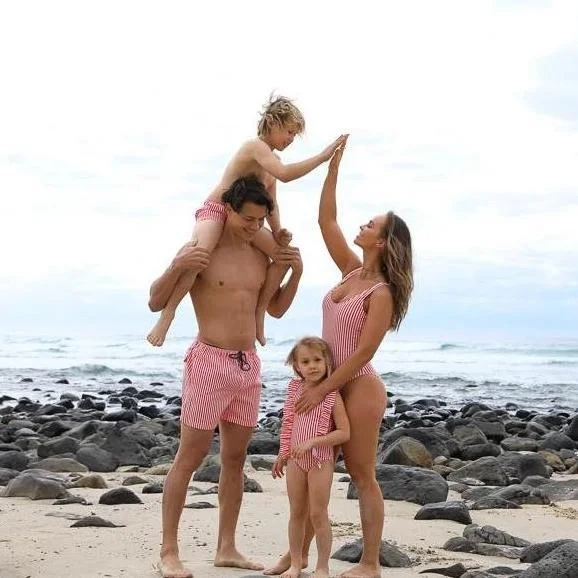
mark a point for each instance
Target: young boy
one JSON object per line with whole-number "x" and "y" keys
{"x": 280, "y": 122}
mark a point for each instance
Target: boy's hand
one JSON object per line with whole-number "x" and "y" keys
{"x": 278, "y": 469}
{"x": 300, "y": 450}
{"x": 283, "y": 237}
{"x": 327, "y": 153}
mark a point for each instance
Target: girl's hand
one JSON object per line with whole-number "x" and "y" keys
{"x": 300, "y": 450}
{"x": 278, "y": 469}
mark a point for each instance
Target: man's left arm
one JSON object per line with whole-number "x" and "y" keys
{"x": 281, "y": 301}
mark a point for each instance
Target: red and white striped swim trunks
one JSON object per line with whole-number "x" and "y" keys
{"x": 211, "y": 211}
{"x": 220, "y": 385}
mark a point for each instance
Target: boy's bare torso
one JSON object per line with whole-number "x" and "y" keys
{"x": 225, "y": 295}
{"x": 241, "y": 165}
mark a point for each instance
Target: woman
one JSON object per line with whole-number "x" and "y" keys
{"x": 371, "y": 299}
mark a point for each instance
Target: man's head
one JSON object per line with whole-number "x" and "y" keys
{"x": 248, "y": 203}
{"x": 281, "y": 121}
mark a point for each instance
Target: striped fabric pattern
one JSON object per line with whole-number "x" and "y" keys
{"x": 343, "y": 322}
{"x": 297, "y": 428}
{"x": 216, "y": 388}
{"x": 211, "y": 211}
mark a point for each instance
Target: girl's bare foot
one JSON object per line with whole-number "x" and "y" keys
{"x": 260, "y": 323}
{"x": 235, "y": 560}
{"x": 283, "y": 565}
{"x": 293, "y": 572}
{"x": 362, "y": 571}
{"x": 158, "y": 333}
{"x": 171, "y": 567}
{"x": 320, "y": 573}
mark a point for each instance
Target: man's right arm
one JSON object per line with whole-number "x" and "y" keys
{"x": 190, "y": 258}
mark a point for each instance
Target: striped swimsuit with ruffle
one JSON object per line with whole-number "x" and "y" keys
{"x": 298, "y": 428}
{"x": 343, "y": 322}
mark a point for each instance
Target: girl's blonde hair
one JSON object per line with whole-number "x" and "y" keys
{"x": 313, "y": 343}
{"x": 280, "y": 111}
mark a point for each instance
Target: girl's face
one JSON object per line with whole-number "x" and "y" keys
{"x": 311, "y": 363}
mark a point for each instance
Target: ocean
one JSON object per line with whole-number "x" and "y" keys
{"x": 536, "y": 375}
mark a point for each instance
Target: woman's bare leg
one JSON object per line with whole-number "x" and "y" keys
{"x": 365, "y": 402}
{"x": 206, "y": 235}
{"x": 297, "y": 493}
{"x": 319, "y": 482}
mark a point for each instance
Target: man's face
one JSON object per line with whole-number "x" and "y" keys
{"x": 247, "y": 222}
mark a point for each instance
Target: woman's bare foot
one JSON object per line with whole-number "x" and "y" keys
{"x": 235, "y": 560}
{"x": 283, "y": 565}
{"x": 171, "y": 567}
{"x": 293, "y": 572}
{"x": 158, "y": 333}
{"x": 260, "y": 326}
{"x": 362, "y": 571}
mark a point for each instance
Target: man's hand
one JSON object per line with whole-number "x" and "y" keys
{"x": 278, "y": 469}
{"x": 283, "y": 237}
{"x": 309, "y": 399}
{"x": 191, "y": 258}
{"x": 301, "y": 449}
{"x": 290, "y": 256}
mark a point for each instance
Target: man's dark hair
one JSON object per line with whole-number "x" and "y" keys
{"x": 247, "y": 189}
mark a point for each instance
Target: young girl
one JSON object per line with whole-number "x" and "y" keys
{"x": 306, "y": 449}
{"x": 280, "y": 122}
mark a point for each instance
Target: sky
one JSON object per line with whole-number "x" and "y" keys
{"x": 117, "y": 119}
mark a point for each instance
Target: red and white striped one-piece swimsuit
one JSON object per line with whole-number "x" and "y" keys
{"x": 343, "y": 322}
{"x": 298, "y": 428}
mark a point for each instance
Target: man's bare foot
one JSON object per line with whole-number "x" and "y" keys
{"x": 283, "y": 565}
{"x": 320, "y": 573}
{"x": 260, "y": 322}
{"x": 362, "y": 571}
{"x": 293, "y": 572}
{"x": 158, "y": 333}
{"x": 236, "y": 560}
{"x": 171, "y": 567}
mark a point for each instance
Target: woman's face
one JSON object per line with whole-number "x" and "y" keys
{"x": 371, "y": 232}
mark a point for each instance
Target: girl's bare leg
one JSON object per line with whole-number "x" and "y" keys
{"x": 297, "y": 492}
{"x": 319, "y": 482}
{"x": 265, "y": 242}
{"x": 206, "y": 235}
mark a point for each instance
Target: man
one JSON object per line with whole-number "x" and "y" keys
{"x": 221, "y": 381}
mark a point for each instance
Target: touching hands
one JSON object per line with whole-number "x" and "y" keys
{"x": 290, "y": 256}
{"x": 283, "y": 237}
{"x": 309, "y": 399}
{"x": 327, "y": 153}
{"x": 336, "y": 158}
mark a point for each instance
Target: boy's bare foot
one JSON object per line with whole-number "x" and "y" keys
{"x": 260, "y": 321}
{"x": 283, "y": 565}
{"x": 235, "y": 560}
{"x": 362, "y": 571}
{"x": 158, "y": 333}
{"x": 293, "y": 572}
{"x": 171, "y": 567}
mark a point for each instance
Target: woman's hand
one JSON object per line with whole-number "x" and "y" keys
{"x": 336, "y": 158}
{"x": 309, "y": 399}
{"x": 300, "y": 450}
{"x": 278, "y": 469}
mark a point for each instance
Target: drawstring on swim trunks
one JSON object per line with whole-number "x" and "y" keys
{"x": 241, "y": 358}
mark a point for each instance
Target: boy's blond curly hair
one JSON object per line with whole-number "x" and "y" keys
{"x": 280, "y": 111}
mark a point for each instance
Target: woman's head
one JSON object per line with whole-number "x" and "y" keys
{"x": 391, "y": 236}
{"x": 280, "y": 122}
{"x": 311, "y": 359}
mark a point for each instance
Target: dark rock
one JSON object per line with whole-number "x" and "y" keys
{"x": 119, "y": 496}
{"x": 557, "y": 441}
{"x": 126, "y": 380}
{"x": 469, "y": 435}
{"x": 520, "y": 494}
{"x": 134, "y": 481}
{"x": 454, "y": 571}
{"x": 71, "y": 500}
{"x": 58, "y": 446}
{"x": 560, "y": 490}
{"x": 153, "y": 488}
{"x": 536, "y": 552}
{"x": 486, "y": 470}
{"x": 516, "y": 444}
{"x": 389, "y": 556}
{"x": 96, "y": 459}
{"x": 13, "y": 460}
{"x": 562, "y": 562}
{"x": 200, "y": 505}
{"x": 129, "y": 415}
{"x": 459, "y": 544}
{"x": 6, "y": 474}
{"x": 406, "y": 451}
{"x": 493, "y": 503}
{"x": 263, "y": 442}
{"x": 36, "y": 486}
{"x": 521, "y": 466}
{"x": 491, "y": 535}
{"x": 572, "y": 429}
{"x": 456, "y": 511}
{"x": 94, "y": 522}
{"x": 476, "y": 451}
{"x": 436, "y": 440}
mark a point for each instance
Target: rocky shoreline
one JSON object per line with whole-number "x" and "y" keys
{"x": 487, "y": 458}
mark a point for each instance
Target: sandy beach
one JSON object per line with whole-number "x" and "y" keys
{"x": 36, "y": 538}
